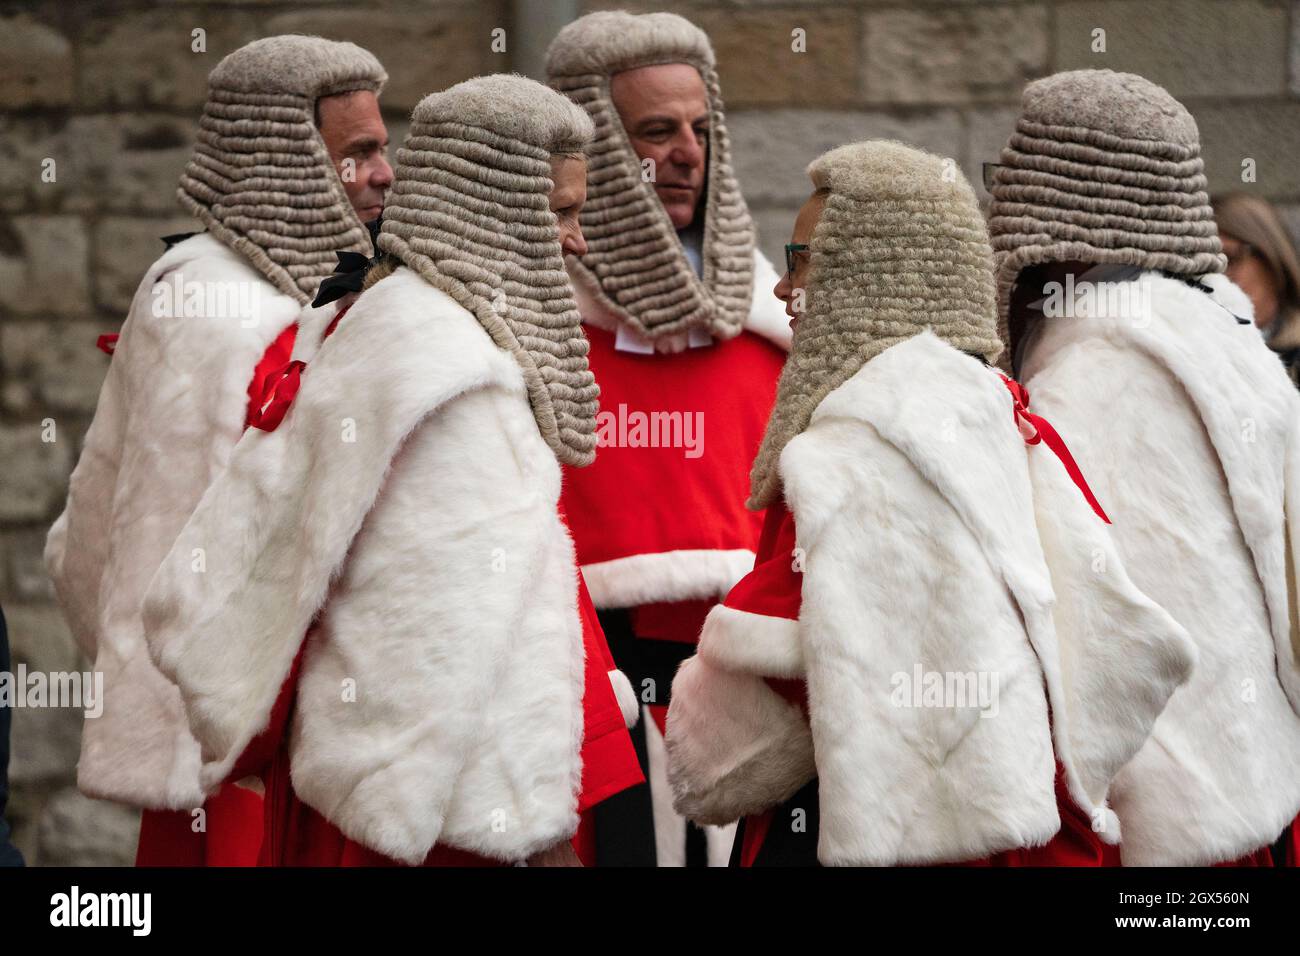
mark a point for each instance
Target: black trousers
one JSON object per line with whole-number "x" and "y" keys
{"x": 792, "y": 838}
{"x": 625, "y": 832}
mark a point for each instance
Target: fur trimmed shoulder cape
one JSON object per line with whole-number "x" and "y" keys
{"x": 1189, "y": 431}
{"x": 170, "y": 411}
{"x": 932, "y": 545}
{"x": 408, "y": 507}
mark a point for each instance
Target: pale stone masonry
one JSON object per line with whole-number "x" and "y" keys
{"x": 110, "y": 92}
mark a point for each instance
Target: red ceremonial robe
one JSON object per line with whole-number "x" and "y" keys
{"x": 259, "y": 821}
{"x": 773, "y": 589}
{"x": 659, "y": 521}
{"x": 659, "y": 517}
{"x": 984, "y": 567}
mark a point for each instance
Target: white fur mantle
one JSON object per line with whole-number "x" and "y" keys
{"x": 928, "y": 530}
{"x": 408, "y": 504}
{"x": 1187, "y": 427}
{"x": 170, "y": 411}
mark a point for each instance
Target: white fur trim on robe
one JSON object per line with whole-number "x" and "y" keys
{"x": 766, "y": 318}
{"x": 170, "y": 411}
{"x": 1186, "y": 426}
{"x": 762, "y": 644}
{"x": 1112, "y": 658}
{"x": 921, "y": 550}
{"x": 409, "y": 498}
{"x": 735, "y": 746}
{"x": 645, "y": 578}
{"x": 925, "y": 494}
{"x": 628, "y": 705}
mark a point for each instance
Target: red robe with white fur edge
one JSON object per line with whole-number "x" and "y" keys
{"x": 1190, "y": 431}
{"x": 650, "y": 524}
{"x": 663, "y": 531}
{"x": 929, "y": 536}
{"x": 170, "y": 412}
{"x": 440, "y": 695}
{"x": 609, "y": 708}
{"x": 239, "y": 817}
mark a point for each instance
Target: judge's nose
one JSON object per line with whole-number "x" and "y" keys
{"x": 573, "y": 242}
{"x": 687, "y": 150}
{"x": 783, "y": 288}
{"x": 382, "y": 177}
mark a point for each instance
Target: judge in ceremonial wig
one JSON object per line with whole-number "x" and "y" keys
{"x": 284, "y": 117}
{"x": 686, "y": 346}
{"x": 1120, "y": 321}
{"x": 412, "y": 559}
{"x": 924, "y": 666}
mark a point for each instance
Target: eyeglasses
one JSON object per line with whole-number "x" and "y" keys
{"x": 793, "y": 249}
{"x": 989, "y": 169}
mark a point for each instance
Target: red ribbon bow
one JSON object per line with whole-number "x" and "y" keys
{"x": 107, "y": 342}
{"x": 1035, "y": 429}
{"x": 269, "y": 398}
{"x": 277, "y": 393}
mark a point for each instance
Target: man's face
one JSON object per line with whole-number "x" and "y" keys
{"x": 569, "y": 174}
{"x": 790, "y": 289}
{"x": 665, "y": 111}
{"x": 357, "y": 141}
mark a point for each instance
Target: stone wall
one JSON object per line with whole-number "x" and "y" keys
{"x": 110, "y": 91}
{"x": 946, "y": 75}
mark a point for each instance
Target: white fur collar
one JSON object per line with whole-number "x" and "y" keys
{"x": 965, "y": 455}
{"x": 1191, "y": 422}
{"x": 406, "y": 510}
{"x": 432, "y": 350}
{"x": 170, "y": 412}
{"x": 953, "y": 420}
{"x": 1108, "y": 657}
{"x": 1247, "y": 403}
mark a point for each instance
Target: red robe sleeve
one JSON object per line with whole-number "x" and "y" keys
{"x": 234, "y": 835}
{"x": 609, "y": 763}
{"x": 769, "y": 597}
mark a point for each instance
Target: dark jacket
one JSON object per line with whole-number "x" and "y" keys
{"x": 9, "y": 855}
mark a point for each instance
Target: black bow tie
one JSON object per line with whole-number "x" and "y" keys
{"x": 350, "y": 273}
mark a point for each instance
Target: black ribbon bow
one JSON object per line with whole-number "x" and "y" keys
{"x": 350, "y": 273}
{"x": 1196, "y": 283}
{"x": 175, "y": 238}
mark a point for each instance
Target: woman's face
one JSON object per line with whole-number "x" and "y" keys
{"x": 1248, "y": 269}
{"x": 790, "y": 289}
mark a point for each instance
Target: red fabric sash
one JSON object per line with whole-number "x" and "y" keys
{"x": 270, "y": 395}
{"x": 278, "y": 392}
{"x": 1035, "y": 429}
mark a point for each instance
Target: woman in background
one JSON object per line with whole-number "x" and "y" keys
{"x": 1262, "y": 260}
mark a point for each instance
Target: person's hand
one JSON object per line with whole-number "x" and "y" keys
{"x": 561, "y": 854}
